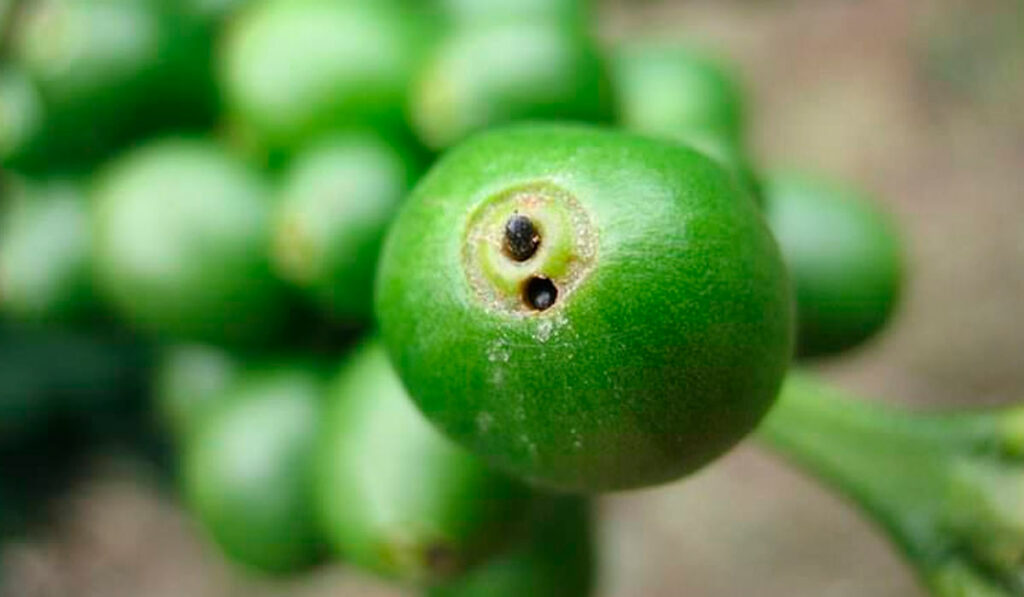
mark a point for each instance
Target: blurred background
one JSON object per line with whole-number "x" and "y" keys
{"x": 918, "y": 102}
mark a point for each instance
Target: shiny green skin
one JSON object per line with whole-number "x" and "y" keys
{"x": 557, "y": 559}
{"x": 668, "y": 351}
{"x": 293, "y": 70}
{"x": 494, "y": 74}
{"x": 845, "y": 256}
{"x": 181, "y": 230}
{"x": 247, "y": 470}
{"x": 676, "y": 92}
{"x": 111, "y": 71}
{"x": 189, "y": 382}
{"x": 334, "y": 206}
{"x": 394, "y": 496}
{"x": 45, "y": 252}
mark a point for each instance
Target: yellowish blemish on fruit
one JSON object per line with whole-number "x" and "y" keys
{"x": 566, "y": 252}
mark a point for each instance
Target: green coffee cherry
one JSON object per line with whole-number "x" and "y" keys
{"x": 845, "y": 258}
{"x": 181, "y": 233}
{"x": 246, "y": 472}
{"x": 190, "y": 380}
{"x": 645, "y": 336}
{"x": 22, "y": 119}
{"x": 474, "y": 13}
{"x": 334, "y": 207}
{"x": 680, "y": 93}
{"x": 555, "y": 560}
{"x": 45, "y": 252}
{"x": 292, "y": 70}
{"x": 110, "y": 71}
{"x": 494, "y": 74}
{"x": 672, "y": 90}
{"x": 394, "y": 496}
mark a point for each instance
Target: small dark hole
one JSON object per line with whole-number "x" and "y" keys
{"x": 540, "y": 293}
{"x": 521, "y": 238}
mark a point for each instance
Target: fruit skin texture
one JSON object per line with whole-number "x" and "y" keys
{"x": 45, "y": 252}
{"x": 556, "y": 560}
{"x": 668, "y": 339}
{"x": 334, "y": 207}
{"x": 396, "y": 497}
{"x": 845, "y": 258}
{"x": 181, "y": 231}
{"x": 246, "y": 471}
{"x": 292, "y": 70}
{"x": 498, "y": 73}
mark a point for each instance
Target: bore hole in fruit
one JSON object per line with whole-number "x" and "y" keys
{"x": 540, "y": 293}
{"x": 521, "y": 238}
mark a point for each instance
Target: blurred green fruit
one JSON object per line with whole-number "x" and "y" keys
{"x": 112, "y": 71}
{"x": 494, "y": 74}
{"x": 677, "y": 92}
{"x": 294, "y": 70}
{"x": 246, "y": 471}
{"x": 478, "y": 12}
{"x": 845, "y": 257}
{"x": 190, "y": 380}
{"x": 45, "y": 251}
{"x": 335, "y": 204}
{"x": 22, "y": 119}
{"x": 394, "y": 496}
{"x": 556, "y": 559}
{"x": 182, "y": 232}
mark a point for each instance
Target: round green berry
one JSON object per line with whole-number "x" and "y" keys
{"x": 22, "y": 119}
{"x": 646, "y": 334}
{"x": 292, "y": 70}
{"x": 845, "y": 257}
{"x": 111, "y": 71}
{"x": 677, "y": 92}
{"x": 556, "y": 559}
{"x": 247, "y": 469}
{"x": 45, "y": 252}
{"x": 397, "y": 498}
{"x": 181, "y": 233}
{"x": 335, "y": 204}
{"x": 188, "y": 384}
{"x": 498, "y": 73}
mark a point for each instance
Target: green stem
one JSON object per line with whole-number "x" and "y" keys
{"x": 947, "y": 488}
